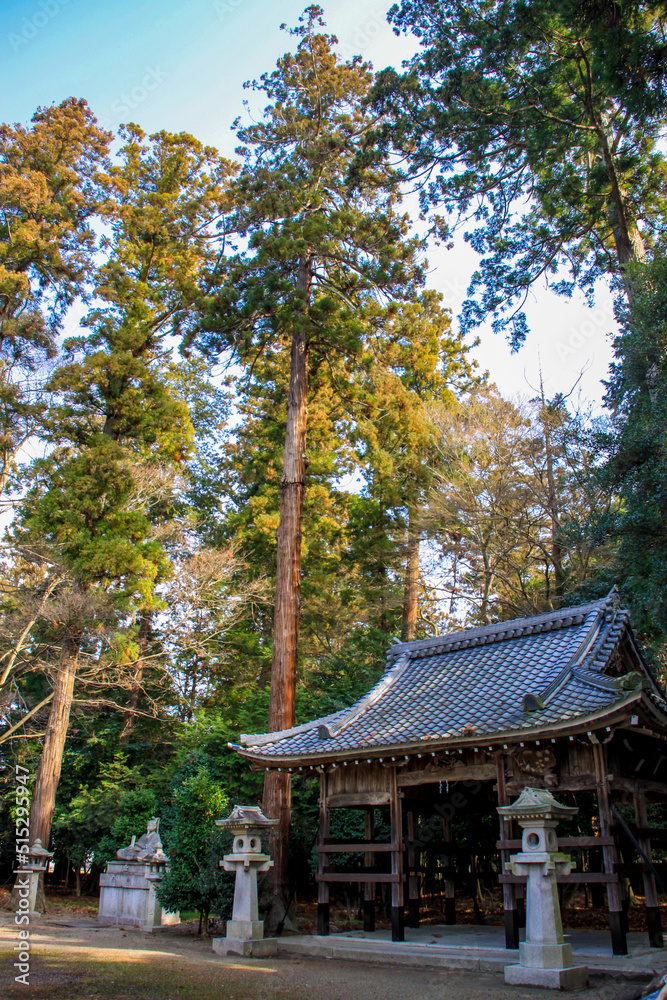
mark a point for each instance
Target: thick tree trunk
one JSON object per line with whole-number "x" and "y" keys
{"x": 552, "y": 503}
{"x": 48, "y": 773}
{"x": 277, "y": 786}
{"x": 411, "y": 586}
{"x": 137, "y": 676}
{"x": 627, "y": 238}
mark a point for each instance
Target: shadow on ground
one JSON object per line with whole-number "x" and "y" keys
{"x": 159, "y": 976}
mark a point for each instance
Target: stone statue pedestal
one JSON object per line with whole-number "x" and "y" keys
{"x": 544, "y": 958}
{"x": 245, "y": 931}
{"x": 127, "y": 888}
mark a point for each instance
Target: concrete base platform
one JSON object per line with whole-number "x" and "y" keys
{"x": 257, "y": 948}
{"x": 574, "y": 978}
{"x": 480, "y": 949}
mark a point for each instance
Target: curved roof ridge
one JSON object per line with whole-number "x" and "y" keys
{"x": 387, "y": 681}
{"x": 498, "y": 631}
{"x": 260, "y": 739}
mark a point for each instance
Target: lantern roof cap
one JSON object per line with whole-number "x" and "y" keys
{"x": 537, "y": 803}
{"x": 246, "y": 818}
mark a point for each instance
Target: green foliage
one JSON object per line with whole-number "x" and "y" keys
{"x": 104, "y": 814}
{"x": 515, "y": 506}
{"x": 194, "y": 880}
{"x": 537, "y": 122}
{"x": 49, "y": 190}
{"x": 293, "y": 203}
{"x": 637, "y": 466}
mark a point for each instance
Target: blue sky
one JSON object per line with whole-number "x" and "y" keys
{"x": 181, "y": 66}
{"x": 175, "y": 65}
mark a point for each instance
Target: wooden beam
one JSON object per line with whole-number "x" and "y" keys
{"x": 459, "y": 772}
{"x": 567, "y": 783}
{"x": 323, "y": 877}
{"x": 352, "y": 800}
{"x": 653, "y": 832}
{"x": 633, "y": 785}
{"x": 351, "y": 848}
{"x": 576, "y": 783}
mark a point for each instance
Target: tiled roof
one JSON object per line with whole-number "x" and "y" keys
{"x": 503, "y": 679}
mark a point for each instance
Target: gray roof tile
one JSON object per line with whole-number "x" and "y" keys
{"x": 472, "y": 684}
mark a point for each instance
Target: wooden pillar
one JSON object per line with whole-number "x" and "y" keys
{"x": 619, "y": 943}
{"x": 509, "y": 894}
{"x": 597, "y": 888}
{"x": 450, "y": 886}
{"x": 369, "y": 861}
{"x": 653, "y": 923}
{"x": 396, "y": 822}
{"x": 414, "y": 857}
{"x": 323, "y": 887}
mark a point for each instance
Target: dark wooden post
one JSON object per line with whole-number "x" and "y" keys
{"x": 509, "y": 895}
{"x": 653, "y": 922}
{"x": 369, "y": 861}
{"x": 450, "y": 886}
{"x": 323, "y": 887}
{"x": 396, "y": 822}
{"x": 413, "y": 873}
{"x": 597, "y": 888}
{"x": 619, "y": 944}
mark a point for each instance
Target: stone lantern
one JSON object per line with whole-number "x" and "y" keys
{"x": 38, "y": 861}
{"x": 245, "y": 931}
{"x": 544, "y": 958}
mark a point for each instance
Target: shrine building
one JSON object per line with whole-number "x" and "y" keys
{"x": 460, "y": 724}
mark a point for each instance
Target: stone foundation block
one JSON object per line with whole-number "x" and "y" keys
{"x": 262, "y": 948}
{"x": 545, "y": 956}
{"x": 245, "y": 930}
{"x": 574, "y": 978}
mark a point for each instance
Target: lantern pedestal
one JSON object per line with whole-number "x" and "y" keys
{"x": 245, "y": 931}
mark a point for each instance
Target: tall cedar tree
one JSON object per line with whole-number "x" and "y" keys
{"x": 317, "y": 252}
{"x": 637, "y": 465}
{"x": 537, "y": 122}
{"x": 116, "y": 422}
{"x": 415, "y": 360}
{"x": 49, "y": 189}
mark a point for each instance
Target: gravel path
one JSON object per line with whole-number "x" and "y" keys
{"x": 82, "y": 962}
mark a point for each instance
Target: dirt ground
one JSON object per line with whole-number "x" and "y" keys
{"x": 82, "y": 962}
